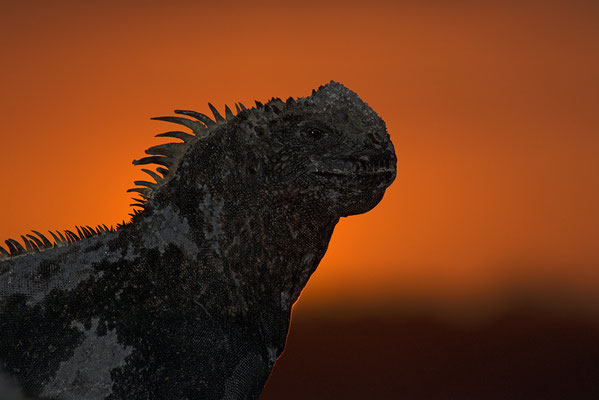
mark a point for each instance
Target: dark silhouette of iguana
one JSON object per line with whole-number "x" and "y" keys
{"x": 192, "y": 298}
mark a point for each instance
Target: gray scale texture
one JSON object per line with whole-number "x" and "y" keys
{"x": 192, "y": 298}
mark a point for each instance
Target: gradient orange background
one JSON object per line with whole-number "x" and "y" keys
{"x": 492, "y": 109}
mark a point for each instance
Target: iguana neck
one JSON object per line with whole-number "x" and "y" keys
{"x": 297, "y": 236}
{"x": 262, "y": 244}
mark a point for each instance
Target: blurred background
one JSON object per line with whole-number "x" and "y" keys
{"x": 476, "y": 277}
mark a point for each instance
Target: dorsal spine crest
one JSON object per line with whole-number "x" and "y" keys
{"x": 167, "y": 156}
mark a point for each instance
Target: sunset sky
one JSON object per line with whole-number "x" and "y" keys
{"x": 492, "y": 108}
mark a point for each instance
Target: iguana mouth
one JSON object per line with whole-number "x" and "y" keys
{"x": 362, "y": 166}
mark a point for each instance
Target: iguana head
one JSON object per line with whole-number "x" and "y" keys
{"x": 329, "y": 149}
{"x": 335, "y": 148}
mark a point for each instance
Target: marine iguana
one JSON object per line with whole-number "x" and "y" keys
{"x": 192, "y": 298}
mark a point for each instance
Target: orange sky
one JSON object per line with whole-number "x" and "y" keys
{"x": 492, "y": 110}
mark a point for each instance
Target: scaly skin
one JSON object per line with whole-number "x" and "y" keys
{"x": 192, "y": 299}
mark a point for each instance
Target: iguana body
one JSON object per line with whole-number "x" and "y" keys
{"x": 192, "y": 299}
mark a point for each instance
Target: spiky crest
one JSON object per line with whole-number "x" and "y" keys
{"x": 39, "y": 242}
{"x": 168, "y": 156}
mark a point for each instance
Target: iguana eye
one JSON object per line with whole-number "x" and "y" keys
{"x": 313, "y": 133}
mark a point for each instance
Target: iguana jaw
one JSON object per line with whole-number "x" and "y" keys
{"x": 354, "y": 183}
{"x": 380, "y": 165}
